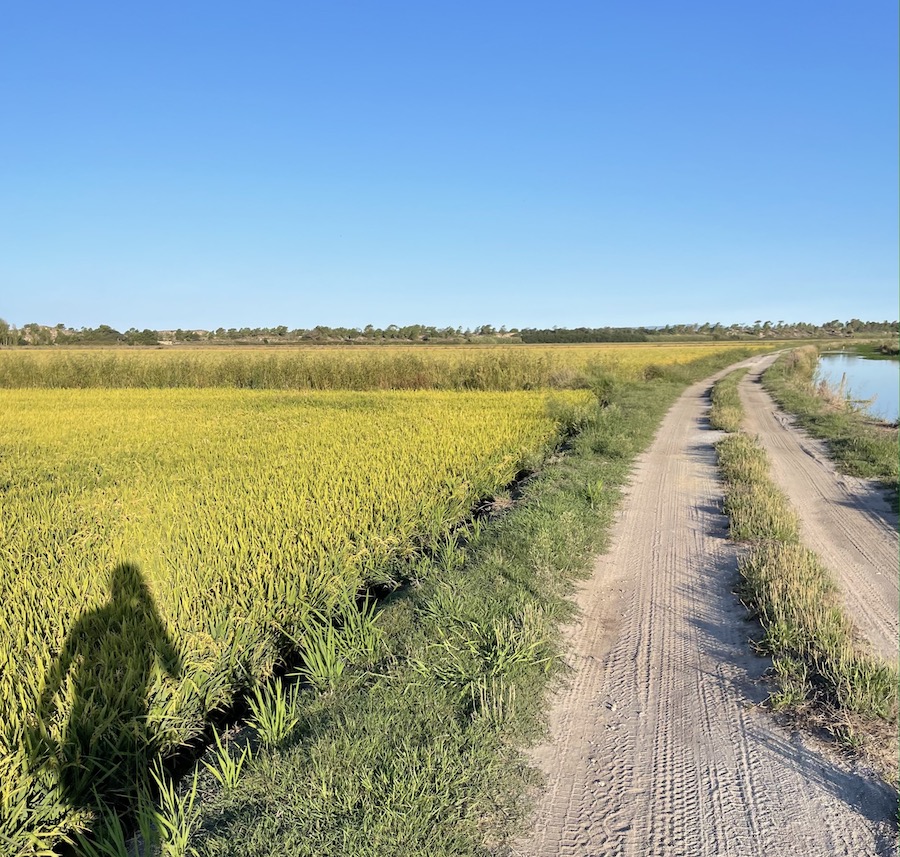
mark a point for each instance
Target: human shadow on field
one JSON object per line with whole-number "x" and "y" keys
{"x": 101, "y": 680}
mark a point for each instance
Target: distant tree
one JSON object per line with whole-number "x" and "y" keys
{"x": 36, "y": 334}
{"x": 8, "y": 333}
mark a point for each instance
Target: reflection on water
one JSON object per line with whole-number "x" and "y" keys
{"x": 865, "y": 379}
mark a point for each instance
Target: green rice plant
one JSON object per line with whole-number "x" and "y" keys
{"x": 226, "y": 768}
{"x": 274, "y": 711}
{"x": 329, "y": 643}
{"x": 473, "y": 530}
{"x": 177, "y": 815}
{"x": 360, "y": 635}
{"x": 33, "y": 814}
{"x": 110, "y": 838}
{"x": 323, "y": 657}
{"x": 594, "y": 492}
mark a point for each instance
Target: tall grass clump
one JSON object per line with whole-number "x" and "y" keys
{"x": 794, "y": 597}
{"x": 756, "y": 509}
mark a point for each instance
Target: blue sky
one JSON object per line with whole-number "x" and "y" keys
{"x": 212, "y": 164}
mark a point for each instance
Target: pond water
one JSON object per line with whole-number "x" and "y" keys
{"x": 865, "y": 378}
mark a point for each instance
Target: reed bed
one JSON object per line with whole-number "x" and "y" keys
{"x": 522, "y": 367}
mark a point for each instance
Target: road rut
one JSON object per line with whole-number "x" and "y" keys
{"x": 846, "y": 521}
{"x": 656, "y": 746}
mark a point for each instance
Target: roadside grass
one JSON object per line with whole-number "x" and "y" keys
{"x": 726, "y": 413}
{"x": 419, "y": 748}
{"x": 823, "y": 673}
{"x": 859, "y": 445}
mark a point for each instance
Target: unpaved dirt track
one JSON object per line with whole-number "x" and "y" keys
{"x": 846, "y": 521}
{"x": 656, "y": 748}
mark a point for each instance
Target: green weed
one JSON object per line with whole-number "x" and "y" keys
{"x": 226, "y": 768}
{"x": 274, "y": 711}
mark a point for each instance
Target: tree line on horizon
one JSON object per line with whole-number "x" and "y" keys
{"x": 60, "y": 334}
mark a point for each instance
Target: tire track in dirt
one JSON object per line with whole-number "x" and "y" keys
{"x": 656, "y": 746}
{"x": 846, "y": 521}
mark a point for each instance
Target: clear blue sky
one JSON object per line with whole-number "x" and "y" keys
{"x": 198, "y": 164}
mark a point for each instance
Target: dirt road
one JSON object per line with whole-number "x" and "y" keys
{"x": 656, "y": 747}
{"x": 846, "y": 521}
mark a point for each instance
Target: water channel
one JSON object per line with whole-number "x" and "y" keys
{"x": 864, "y": 379}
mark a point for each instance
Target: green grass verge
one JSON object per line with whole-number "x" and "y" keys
{"x": 858, "y": 445}
{"x": 812, "y": 643}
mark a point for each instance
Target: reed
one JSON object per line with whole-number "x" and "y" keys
{"x": 350, "y": 368}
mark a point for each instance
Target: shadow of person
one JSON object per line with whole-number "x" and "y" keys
{"x": 100, "y": 681}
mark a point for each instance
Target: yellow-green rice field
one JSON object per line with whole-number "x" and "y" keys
{"x": 168, "y": 544}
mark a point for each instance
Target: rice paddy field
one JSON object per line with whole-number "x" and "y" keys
{"x": 174, "y": 524}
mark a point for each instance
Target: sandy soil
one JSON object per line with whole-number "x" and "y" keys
{"x": 657, "y": 747}
{"x": 846, "y": 521}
